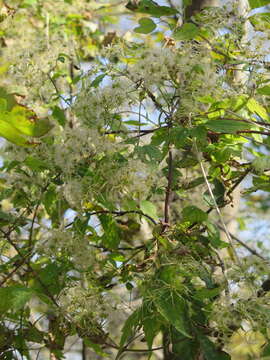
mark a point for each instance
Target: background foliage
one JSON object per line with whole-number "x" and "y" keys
{"x": 129, "y": 126}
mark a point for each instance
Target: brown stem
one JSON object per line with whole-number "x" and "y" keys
{"x": 118, "y": 213}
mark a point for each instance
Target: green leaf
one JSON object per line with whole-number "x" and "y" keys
{"x": 11, "y": 134}
{"x": 150, "y": 7}
{"x": 97, "y": 348}
{"x": 132, "y": 324}
{"x": 149, "y": 208}
{"x": 174, "y": 309}
{"x": 185, "y": 348}
{"x": 14, "y": 298}
{"x": 10, "y": 99}
{"x": 261, "y": 21}
{"x": 134, "y": 123}
{"x": 193, "y": 214}
{"x": 35, "y": 164}
{"x": 227, "y": 126}
{"x": 111, "y": 237}
{"x": 149, "y": 153}
{"x": 258, "y": 3}
{"x": 266, "y": 350}
{"x": 146, "y": 26}
{"x": 50, "y": 277}
{"x": 49, "y": 199}
{"x": 207, "y": 293}
{"x": 265, "y": 90}
{"x": 95, "y": 83}
{"x": 59, "y": 115}
{"x": 179, "y": 136}
{"x": 34, "y": 335}
{"x": 210, "y": 351}
{"x": 117, "y": 257}
{"x": 186, "y": 32}
{"x": 3, "y": 105}
{"x": 27, "y": 123}
{"x": 254, "y": 107}
{"x": 151, "y": 323}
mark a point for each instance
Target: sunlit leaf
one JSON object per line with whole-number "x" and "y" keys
{"x": 254, "y": 107}
{"x": 149, "y": 208}
{"x": 27, "y": 123}
{"x": 10, "y": 133}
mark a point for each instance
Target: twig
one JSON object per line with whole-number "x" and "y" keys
{"x": 118, "y": 213}
{"x": 57, "y": 91}
{"x": 14, "y": 245}
{"x": 252, "y": 251}
{"x": 32, "y": 226}
{"x": 14, "y": 270}
{"x": 238, "y": 181}
{"x": 168, "y": 188}
{"x": 119, "y": 248}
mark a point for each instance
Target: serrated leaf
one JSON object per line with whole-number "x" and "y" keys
{"x": 132, "y": 324}
{"x": 174, "y": 309}
{"x": 186, "y": 32}
{"x": 193, "y": 214}
{"x": 146, "y": 26}
{"x": 97, "y": 348}
{"x": 14, "y": 297}
{"x": 254, "y": 107}
{"x": 149, "y": 208}
{"x": 227, "y": 126}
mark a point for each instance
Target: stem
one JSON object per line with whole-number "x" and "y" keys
{"x": 118, "y": 213}
{"x": 14, "y": 245}
{"x": 169, "y": 188}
